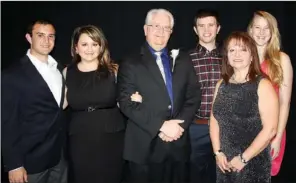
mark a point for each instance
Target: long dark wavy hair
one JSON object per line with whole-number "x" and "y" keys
{"x": 242, "y": 38}
{"x": 106, "y": 65}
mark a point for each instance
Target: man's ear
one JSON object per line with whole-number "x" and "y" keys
{"x": 29, "y": 38}
{"x": 145, "y": 29}
{"x": 218, "y": 29}
{"x": 195, "y": 30}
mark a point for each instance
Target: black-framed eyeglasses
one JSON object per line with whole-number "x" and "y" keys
{"x": 159, "y": 28}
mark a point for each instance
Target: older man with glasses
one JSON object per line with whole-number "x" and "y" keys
{"x": 159, "y": 95}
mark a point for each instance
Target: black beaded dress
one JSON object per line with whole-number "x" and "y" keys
{"x": 236, "y": 110}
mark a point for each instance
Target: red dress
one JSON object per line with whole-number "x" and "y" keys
{"x": 276, "y": 163}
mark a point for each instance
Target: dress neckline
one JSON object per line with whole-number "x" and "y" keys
{"x": 246, "y": 82}
{"x": 84, "y": 71}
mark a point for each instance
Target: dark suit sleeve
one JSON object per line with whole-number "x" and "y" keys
{"x": 148, "y": 120}
{"x": 192, "y": 96}
{"x": 11, "y": 126}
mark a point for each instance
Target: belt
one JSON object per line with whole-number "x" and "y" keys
{"x": 201, "y": 121}
{"x": 92, "y": 108}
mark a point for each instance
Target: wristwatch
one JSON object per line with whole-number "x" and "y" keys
{"x": 243, "y": 160}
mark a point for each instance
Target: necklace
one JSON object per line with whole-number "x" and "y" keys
{"x": 236, "y": 81}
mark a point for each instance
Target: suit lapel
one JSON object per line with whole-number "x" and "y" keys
{"x": 33, "y": 73}
{"x": 150, "y": 63}
{"x": 175, "y": 78}
{"x": 60, "y": 68}
{"x": 171, "y": 61}
{"x": 35, "y": 76}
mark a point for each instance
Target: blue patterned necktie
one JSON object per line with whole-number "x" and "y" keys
{"x": 168, "y": 75}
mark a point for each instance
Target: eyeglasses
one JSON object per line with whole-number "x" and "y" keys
{"x": 159, "y": 28}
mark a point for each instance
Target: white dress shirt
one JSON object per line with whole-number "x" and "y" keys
{"x": 51, "y": 75}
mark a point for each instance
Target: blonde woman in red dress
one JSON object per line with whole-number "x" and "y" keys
{"x": 276, "y": 64}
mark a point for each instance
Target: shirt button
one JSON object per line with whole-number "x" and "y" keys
{"x": 169, "y": 107}
{"x": 213, "y": 69}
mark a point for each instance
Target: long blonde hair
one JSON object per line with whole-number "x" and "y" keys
{"x": 273, "y": 48}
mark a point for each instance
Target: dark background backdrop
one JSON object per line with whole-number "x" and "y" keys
{"x": 122, "y": 23}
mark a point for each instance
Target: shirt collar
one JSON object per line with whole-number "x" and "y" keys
{"x": 51, "y": 62}
{"x": 204, "y": 51}
{"x": 163, "y": 51}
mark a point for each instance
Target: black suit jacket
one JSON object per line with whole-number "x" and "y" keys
{"x": 33, "y": 124}
{"x": 140, "y": 72}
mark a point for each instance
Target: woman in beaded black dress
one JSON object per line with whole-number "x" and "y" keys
{"x": 244, "y": 116}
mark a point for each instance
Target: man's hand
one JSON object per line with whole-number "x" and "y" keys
{"x": 172, "y": 128}
{"x": 165, "y": 138}
{"x": 18, "y": 175}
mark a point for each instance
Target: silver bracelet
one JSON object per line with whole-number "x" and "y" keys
{"x": 217, "y": 152}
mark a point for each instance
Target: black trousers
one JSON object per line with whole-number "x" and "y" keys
{"x": 202, "y": 161}
{"x": 169, "y": 171}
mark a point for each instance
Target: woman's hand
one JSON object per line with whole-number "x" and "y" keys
{"x": 236, "y": 164}
{"x": 275, "y": 147}
{"x": 222, "y": 162}
{"x": 136, "y": 97}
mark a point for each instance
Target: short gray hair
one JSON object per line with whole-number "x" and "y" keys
{"x": 156, "y": 11}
